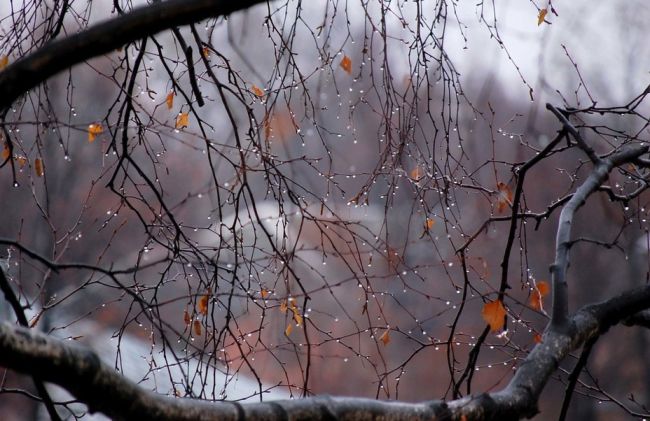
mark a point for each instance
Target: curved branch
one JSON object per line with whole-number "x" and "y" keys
{"x": 79, "y": 370}
{"x": 105, "y": 37}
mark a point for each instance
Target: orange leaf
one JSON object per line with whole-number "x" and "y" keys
{"x": 21, "y": 161}
{"x": 346, "y": 64}
{"x": 4, "y": 62}
{"x": 197, "y": 328}
{"x": 541, "y": 290}
{"x": 541, "y": 15}
{"x": 6, "y": 152}
{"x": 38, "y": 167}
{"x": 429, "y": 223}
{"x": 206, "y": 52}
{"x": 288, "y": 330}
{"x": 203, "y": 304}
{"x": 170, "y": 100}
{"x": 257, "y": 91}
{"x": 298, "y": 318}
{"x": 283, "y": 307}
{"x": 416, "y": 173}
{"x": 93, "y": 130}
{"x": 385, "y": 337}
{"x": 537, "y": 338}
{"x": 182, "y": 120}
{"x": 494, "y": 314}
{"x": 264, "y": 293}
{"x": 504, "y": 198}
{"x": 186, "y": 318}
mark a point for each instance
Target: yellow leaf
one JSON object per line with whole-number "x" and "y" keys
{"x": 494, "y": 314}
{"x": 38, "y": 167}
{"x": 182, "y": 120}
{"x": 197, "y": 328}
{"x": 298, "y": 318}
{"x": 94, "y": 130}
{"x": 385, "y": 337}
{"x": 541, "y": 16}
{"x": 288, "y": 330}
{"x": 4, "y": 62}
{"x": 257, "y": 91}
{"x": 170, "y": 100}
{"x": 346, "y": 64}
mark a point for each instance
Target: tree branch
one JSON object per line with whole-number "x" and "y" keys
{"x": 105, "y": 37}
{"x": 560, "y": 309}
{"x": 79, "y": 370}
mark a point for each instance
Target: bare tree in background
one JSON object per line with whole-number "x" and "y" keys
{"x": 303, "y": 194}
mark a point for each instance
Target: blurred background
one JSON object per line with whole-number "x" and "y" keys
{"x": 335, "y": 215}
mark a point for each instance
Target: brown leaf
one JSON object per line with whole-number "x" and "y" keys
{"x": 170, "y": 100}
{"x": 429, "y": 223}
{"x": 6, "y": 153}
{"x": 298, "y": 318}
{"x": 541, "y": 15}
{"x": 385, "y": 337}
{"x": 283, "y": 306}
{"x": 4, "y": 62}
{"x": 288, "y": 330}
{"x": 197, "y": 327}
{"x": 416, "y": 173}
{"x": 257, "y": 91}
{"x": 494, "y": 314}
{"x": 537, "y": 338}
{"x": 346, "y": 64}
{"x": 182, "y": 120}
{"x": 186, "y": 318}
{"x": 21, "y": 161}
{"x": 264, "y": 293}
{"x": 540, "y": 291}
{"x": 504, "y": 197}
{"x": 38, "y": 167}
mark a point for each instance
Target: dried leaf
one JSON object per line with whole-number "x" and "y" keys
{"x": 537, "y": 338}
{"x": 541, "y": 15}
{"x": 280, "y": 125}
{"x": 385, "y": 337}
{"x": 4, "y": 62}
{"x": 182, "y": 120}
{"x": 283, "y": 306}
{"x": 504, "y": 198}
{"x": 203, "y": 304}
{"x": 346, "y": 64}
{"x": 205, "y": 51}
{"x": 257, "y": 91}
{"x": 186, "y": 318}
{"x": 540, "y": 291}
{"x": 170, "y": 100}
{"x": 21, "y": 161}
{"x": 288, "y": 330}
{"x": 197, "y": 327}
{"x": 494, "y": 314}
{"x": 298, "y": 318}
{"x": 6, "y": 153}
{"x": 94, "y": 130}
{"x": 429, "y": 223}
{"x": 416, "y": 173}
{"x": 264, "y": 293}
{"x": 38, "y": 167}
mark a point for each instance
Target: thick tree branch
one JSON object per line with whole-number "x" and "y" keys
{"x": 80, "y": 371}
{"x": 560, "y": 309}
{"x": 105, "y": 37}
